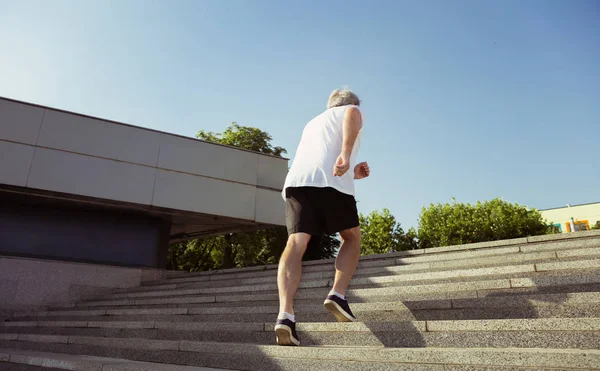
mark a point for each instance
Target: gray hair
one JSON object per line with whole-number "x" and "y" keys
{"x": 342, "y": 97}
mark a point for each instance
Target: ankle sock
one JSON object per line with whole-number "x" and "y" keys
{"x": 286, "y": 315}
{"x": 333, "y": 292}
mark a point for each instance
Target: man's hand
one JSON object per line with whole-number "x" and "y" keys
{"x": 342, "y": 165}
{"x": 362, "y": 170}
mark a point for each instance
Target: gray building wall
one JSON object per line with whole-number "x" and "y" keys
{"x": 47, "y": 149}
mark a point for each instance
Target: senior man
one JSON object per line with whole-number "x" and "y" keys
{"x": 319, "y": 196}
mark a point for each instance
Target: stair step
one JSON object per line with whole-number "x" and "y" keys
{"x": 542, "y": 324}
{"x": 405, "y": 263}
{"x": 269, "y": 357}
{"x": 553, "y": 332}
{"x": 399, "y": 280}
{"x": 149, "y": 291}
{"x": 402, "y": 291}
{"x": 531, "y": 311}
{"x": 584, "y": 304}
{"x": 58, "y": 361}
{"x": 590, "y": 310}
{"x": 516, "y": 339}
{"x": 584, "y": 247}
{"x": 420, "y": 268}
{"x": 244, "y": 286}
{"x": 415, "y": 300}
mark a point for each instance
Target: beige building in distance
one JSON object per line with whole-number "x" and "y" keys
{"x": 571, "y": 218}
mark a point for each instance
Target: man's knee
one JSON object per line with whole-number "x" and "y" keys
{"x": 351, "y": 235}
{"x": 298, "y": 242}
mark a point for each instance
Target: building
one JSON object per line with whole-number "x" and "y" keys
{"x": 81, "y": 196}
{"x": 571, "y": 218}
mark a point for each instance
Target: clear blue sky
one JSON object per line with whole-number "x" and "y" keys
{"x": 467, "y": 99}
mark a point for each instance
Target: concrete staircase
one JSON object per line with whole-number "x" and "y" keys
{"x": 522, "y": 304}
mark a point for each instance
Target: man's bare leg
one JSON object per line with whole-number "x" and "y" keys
{"x": 288, "y": 280}
{"x": 347, "y": 259}
{"x": 290, "y": 271}
{"x": 345, "y": 265}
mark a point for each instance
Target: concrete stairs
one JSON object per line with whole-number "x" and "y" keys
{"x": 522, "y": 304}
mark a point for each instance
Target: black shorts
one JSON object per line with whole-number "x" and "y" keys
{"x": 318, "y": 211}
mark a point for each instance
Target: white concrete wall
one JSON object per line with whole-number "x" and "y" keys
{"x": 563, "y": 215}
{"x": 31, "y": 283}
{"x": 51, "y": 150}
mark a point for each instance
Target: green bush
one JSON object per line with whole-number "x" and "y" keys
{"x": 460, "y": 223}
{"x": 381, "y": 233}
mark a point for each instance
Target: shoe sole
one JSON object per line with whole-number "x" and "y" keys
{"x": 284, "y": 336}
{"x": 338, "y": 312}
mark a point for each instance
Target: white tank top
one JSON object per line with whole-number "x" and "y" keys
{"x": 319, "y": 148}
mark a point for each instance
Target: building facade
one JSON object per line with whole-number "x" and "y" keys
{"x": 572, "y": 218}
{"x": 84, "y": 189}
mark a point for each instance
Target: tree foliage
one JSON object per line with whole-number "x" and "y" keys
{"x": 245, "y": 137}
{"x": 381, "y": 233}
{"x": 460, "y": 223}
{"x": 228, "y": 251}
{"x": 247, "y": 248}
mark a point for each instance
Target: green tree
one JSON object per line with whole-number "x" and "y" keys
{"x": 245, "y": 137}
{"x": 381, "y": 233}
{"x": 409, "y": 240}
{"x": 460, "y": 223}
{"x": 194, "y": 255}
